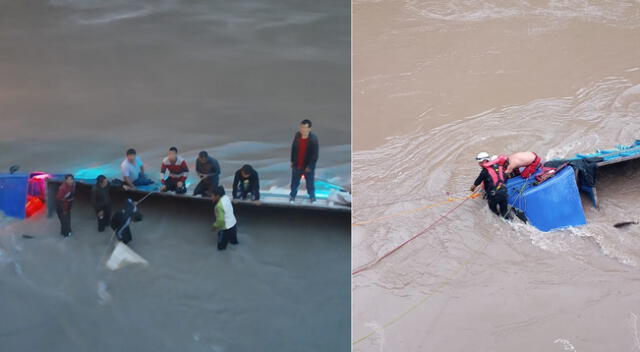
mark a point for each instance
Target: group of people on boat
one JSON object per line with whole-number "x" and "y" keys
{"x": 174, "y": 172}
{"x": 496, "y": 170}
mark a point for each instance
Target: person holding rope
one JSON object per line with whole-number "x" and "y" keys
{"x": 494, "y": 179}
{"x": 121, "y": 220}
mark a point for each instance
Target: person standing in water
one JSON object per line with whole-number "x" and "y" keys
{"x": 64, "y": 200}
{"x": 121, "y": 221}
{"x": 101, "y": 202}
{"x": 246, "y": 182}
{"x": 226, "y": 224}
{"x": 208, "y": 170}
{"x": 304, "y": 156}
{"x": 494, "y": 180}
{"x": 178, "y": 172}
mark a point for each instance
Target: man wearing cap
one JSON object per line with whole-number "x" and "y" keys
{"x": 494, "y": 180}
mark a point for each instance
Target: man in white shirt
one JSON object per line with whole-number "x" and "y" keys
{"x": 133, "y": 171}
{"x": 226, "y": 224}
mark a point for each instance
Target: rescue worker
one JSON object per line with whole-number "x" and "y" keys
{"x": 121, "y": 221}
{"x": 529, "y": 160}
{"x": 64, "y": 200}
{"x": 494, "y": 180}
{"x": 226, "y": 222}
{"x": 178, "y": 172}
{"x": 101, "y": 202}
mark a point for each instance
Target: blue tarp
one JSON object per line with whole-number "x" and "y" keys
{"x": 13, "y": 194}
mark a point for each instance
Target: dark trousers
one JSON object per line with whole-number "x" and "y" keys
{"x": 105, "y": 220}
{"x": 171, "y": 184}
{"x": 205, "y": 185}
{"x": 497, "y": 200}
{"x": 227, "y": 236}
{"x": 296, "y": 175}
{"x": 142, "y": 180}
{"x": 124, "y": 234}
{"x": 65, "y": 219}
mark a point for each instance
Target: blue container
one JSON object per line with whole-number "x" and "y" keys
{"x": 551, "y": 205}
{"x": 13, "y": 194}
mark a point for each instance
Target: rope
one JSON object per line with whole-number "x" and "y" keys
{"x": 424, "y": 299}
{"x": 414, "y": 210}
{"x": 395, "y": 202}
{"x": 371, "y": 264}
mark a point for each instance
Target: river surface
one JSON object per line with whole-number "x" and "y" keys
{"x": 436, "y": 82}
{"x": 83, "y": 80}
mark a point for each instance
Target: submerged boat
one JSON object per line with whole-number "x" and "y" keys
{"x": 555, "y": 203}
{"x": 22, "y": 195}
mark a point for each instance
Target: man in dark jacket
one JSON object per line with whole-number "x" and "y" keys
{"x": 493, "y": 178}
{"x": 101, "y": 202}
{"x": 64, "y": 199}
{"x": 304, "y": 155}
{"x": 246, "y": 182}
{"x": 208, "y": 170}
{"x": 121, "y": 221}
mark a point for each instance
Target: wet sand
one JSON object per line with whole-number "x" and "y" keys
{"x": 434, "y": 84}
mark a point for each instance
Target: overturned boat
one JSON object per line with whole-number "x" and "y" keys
{"x": 22, "y": 195}
{"x": 555, "y": 202}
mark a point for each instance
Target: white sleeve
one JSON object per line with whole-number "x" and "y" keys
{"x": 125, "y": 170}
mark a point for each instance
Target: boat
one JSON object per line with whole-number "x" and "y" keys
{"x": 23, "y": 195}
{"x": 556, "y": 203}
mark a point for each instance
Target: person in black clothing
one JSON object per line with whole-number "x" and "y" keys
{"x": 208, "y": 170}
{"x": 493, "y": 178}
{"x": 304, "y": 155}
{"x": 64, "y": 200}
{"x": 121, "y": 220}
{"x": 101, "y": 202}
{"x": 246, "y": 182}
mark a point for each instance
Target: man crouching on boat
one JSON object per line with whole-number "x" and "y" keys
{"x": 529, "y": 160}
{"x": 225, "y": 223}
{"x": 178, "y": 172}
{"x": 122, "y": 219}
{"x": 494, "y": 180}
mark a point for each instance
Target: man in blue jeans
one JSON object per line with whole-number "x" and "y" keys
{"x": 304, "y": 155}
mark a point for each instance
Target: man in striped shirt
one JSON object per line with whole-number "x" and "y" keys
{"x": 178, "y": 172}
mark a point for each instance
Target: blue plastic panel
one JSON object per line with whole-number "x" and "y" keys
{"x": 553, "y": 204}
{"x": 13, "y": 195}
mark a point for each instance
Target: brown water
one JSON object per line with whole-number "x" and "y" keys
{"x": 83, "y": 80}
{"x": 437, "y": 82}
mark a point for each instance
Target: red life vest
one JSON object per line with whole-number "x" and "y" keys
{"x": 495, "y": 169}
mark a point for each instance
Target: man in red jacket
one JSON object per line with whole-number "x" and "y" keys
{"x": 64, "y": 199}
{"x": 178, "y": 172}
